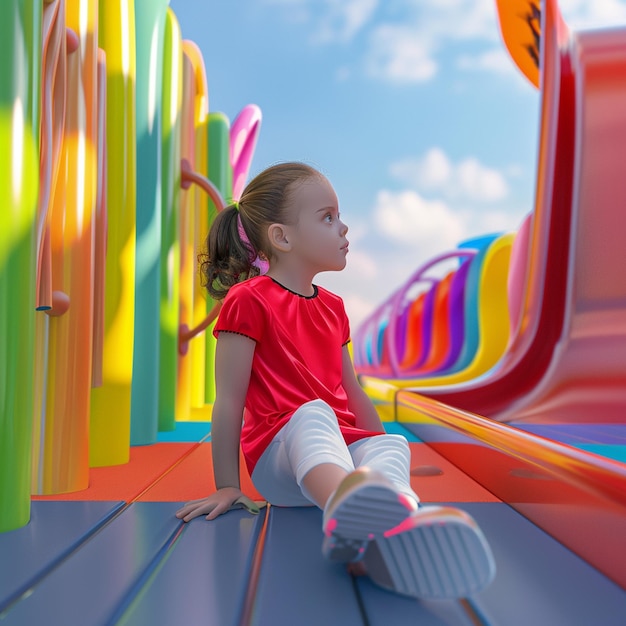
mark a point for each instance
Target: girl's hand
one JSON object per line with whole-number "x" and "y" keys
{"x": 216, "y": 504}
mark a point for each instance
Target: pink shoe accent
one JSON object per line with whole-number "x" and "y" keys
{"x": 407, "y": 502}
{"x": 407, "y": 524}
{"x": 330, "y": 527}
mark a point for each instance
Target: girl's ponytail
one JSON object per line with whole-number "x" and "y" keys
{"x": 228, "y": 259}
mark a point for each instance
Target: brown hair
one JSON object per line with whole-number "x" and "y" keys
{"x": 228, "y": 259}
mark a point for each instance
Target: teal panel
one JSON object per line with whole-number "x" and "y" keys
{"x": 186, "y": 432}
{"x": 618, "y": 453}
{"x": 150, "y": 25}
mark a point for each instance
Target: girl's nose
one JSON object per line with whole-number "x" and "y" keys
{"x": 344, "y": 227}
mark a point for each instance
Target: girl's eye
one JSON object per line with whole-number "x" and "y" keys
{"x": 328, "y": 217}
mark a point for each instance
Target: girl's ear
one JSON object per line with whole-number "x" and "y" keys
{"x": 277, "y": 235}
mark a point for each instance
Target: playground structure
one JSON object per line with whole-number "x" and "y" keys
{"x": 529, "y": 329}
{"x": 102, "y": 143}
{"x": 539, "y": 328}
{"x": 506, "y": 370}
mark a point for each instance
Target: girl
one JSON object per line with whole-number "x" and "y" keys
{"x": 310, "y": 434}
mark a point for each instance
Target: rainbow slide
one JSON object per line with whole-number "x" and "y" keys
{"x": 502, "y": 361}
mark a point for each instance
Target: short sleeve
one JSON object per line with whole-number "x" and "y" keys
{"x": 345, "y": 328}
{"x": 242, "y": 313}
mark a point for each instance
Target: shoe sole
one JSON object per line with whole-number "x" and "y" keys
{"x": 363, "y": 516}
{"x": 442, "y": 556}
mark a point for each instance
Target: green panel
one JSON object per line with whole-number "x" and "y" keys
{"x": 20, "y": 74}
{"x": 221, "y": 175}
{"x": 170, "y": 235}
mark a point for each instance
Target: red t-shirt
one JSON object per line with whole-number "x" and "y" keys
{"x": 297, "y": 357}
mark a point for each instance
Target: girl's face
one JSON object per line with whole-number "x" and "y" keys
{"x": 317, "y": 234}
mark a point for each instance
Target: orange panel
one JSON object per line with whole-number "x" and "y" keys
{"x": 440, "y": 333}
{"x": 192, "y": 479}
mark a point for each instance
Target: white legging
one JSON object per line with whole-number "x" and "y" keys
{"x": 312, "y": 437}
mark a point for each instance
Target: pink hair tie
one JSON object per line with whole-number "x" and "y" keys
{"x": 255, "y": 259}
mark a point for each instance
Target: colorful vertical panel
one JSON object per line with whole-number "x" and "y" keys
{"x": 170, "y": 197}
{"x": 150, "y": 21}
{"x": 20, "y": 42}
{"x": 110, "y": 409}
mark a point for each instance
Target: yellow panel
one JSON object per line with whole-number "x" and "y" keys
{"x": 110, "y": 410}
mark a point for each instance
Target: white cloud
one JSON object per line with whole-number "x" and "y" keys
{"x": 407, "y": 218}
{"x": 582, "y": 14}
{"x": 459, "y": 20}
{"x": 330, "y": 20}
{"x": 480, "y": 182}
{"x": 433, "y": 171}
{"x": 396, "y": 54}
{"x": 406, "y": 50}
{"x": 343, "y": 19}
{"x": 410, "y": 36}
{"x": 432, "y": 226}
{"x": 363, "y": 264}
{"x": 467, "y": 179}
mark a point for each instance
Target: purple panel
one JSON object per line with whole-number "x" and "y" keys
{"x": 401, "y": 331}
{"x": 577, "y": 433}
{"x": 457, "y": 315}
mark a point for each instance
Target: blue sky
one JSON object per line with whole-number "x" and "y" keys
{"x": 412, "y": 109}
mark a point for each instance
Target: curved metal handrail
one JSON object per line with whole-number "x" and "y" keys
{"x": 188, "y": 177}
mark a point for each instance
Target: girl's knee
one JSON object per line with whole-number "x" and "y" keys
{"x": 393, "y": 441}
{"x": 395, "y": 445}
{"x": 400, "y": 441}
{"x": 316, "y": 410}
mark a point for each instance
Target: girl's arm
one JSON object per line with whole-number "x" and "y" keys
{"x": 233, "y": 364}
{"x": 358, "y": 401}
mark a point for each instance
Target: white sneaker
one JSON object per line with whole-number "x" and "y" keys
{"x": 436, "y": 553}
{"x": 365, "y": 505}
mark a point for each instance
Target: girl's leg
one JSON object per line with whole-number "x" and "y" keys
{"x": 388, "y": 454}
{"x": 306, "y": 461}
{"x": 322, "y": 481}
{"x": 317, "y": 451}
{"x": 358, "y": 504}
{"x": 436, "y": 552}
